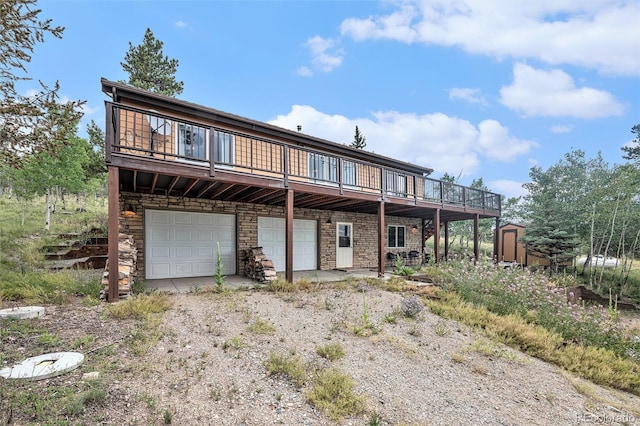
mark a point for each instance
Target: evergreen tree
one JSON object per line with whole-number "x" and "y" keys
{"x": 359, "y": 141}
{"x": 149, "y": 69}
{"x": 633, "y": 152}
{"x": 30, "y": 124}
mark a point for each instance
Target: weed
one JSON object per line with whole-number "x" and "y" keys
{"x": 282, "y": 286}
{"x": 333, "y": 392}
{"x": 235, "y": 343}
{"x": 375, "y": 420}
{"x": 288, "y": 365}
{"x": 218, "y": 276}
{"x": 260, "y": 326}
{"x": 458, "y": 357}
{"x": 167, "y": 417}
{"x": 48, "y": 340}
{"x": 331, "y": 351}
{"x": 392, "y": 317}
{"x": 479, "y": 368}
{"x": 415, "y": 331}
{"x": 139, "y": 306}
{"x": 83, "y": 342}
{"x": 441, "y": 329}
{"x": 138, "y": 287}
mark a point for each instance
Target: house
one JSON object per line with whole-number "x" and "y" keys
{"x": 187, "y": 182}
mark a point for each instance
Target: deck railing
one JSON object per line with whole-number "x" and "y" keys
{"x": 147, "y": 133}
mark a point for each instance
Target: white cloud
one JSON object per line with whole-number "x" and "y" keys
{"x": 472, "y": 96}
{"x": 496, "y": 142}
{"x": 535, "y": 92}
{"x": 598, "y": 34}
{"x": 562, "y": 128}
{"x": 444, "y": 143}
{"x": 508, "y": 188}
{"x": 326, "y": 56}
{"x": 304, "y": 72}
{"x": 180, "y": 24}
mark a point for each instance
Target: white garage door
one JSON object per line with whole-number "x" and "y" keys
{"x": 271, "y": 237}
{"x": 184, "y": 244}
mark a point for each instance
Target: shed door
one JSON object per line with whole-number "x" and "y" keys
{"x": 271, "y": 237}
{"x": 509, "y": 245}
{"x": 184, "y": 244}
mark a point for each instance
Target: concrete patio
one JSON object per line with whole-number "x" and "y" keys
{"x": 186, "y": 285}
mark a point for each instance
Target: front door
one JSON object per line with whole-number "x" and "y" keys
{"x": 344, "y": 245}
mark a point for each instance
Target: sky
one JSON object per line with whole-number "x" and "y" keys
{"x": 478, "y": 89}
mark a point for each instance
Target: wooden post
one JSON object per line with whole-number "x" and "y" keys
{"x": 288, "y": 224}
{"x": 496, "y": 239}
{"x": 381, "y": 242}
{"x": 476, "y": 241}
{"x": 113, "y": 227}
{"x": 423, "y": 223}
{"x": 446, "y": 240}
{"x": 436, "y": 236}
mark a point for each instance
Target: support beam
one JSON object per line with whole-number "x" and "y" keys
{"x": 496, "y": 236}
{"x": 423, "y": 234}
{"x": 113, "y": 226}
{"x": 436, "y": 236}
{"x": 476, "y": 240}
{"x": 446, "y": 240}
{"x": 288, "y": 224}
{"x": 381, "y": 240}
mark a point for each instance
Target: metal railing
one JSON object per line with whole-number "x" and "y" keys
{"x": 147, "y": 133}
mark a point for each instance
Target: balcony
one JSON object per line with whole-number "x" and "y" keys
{"x": 205, "y": 156}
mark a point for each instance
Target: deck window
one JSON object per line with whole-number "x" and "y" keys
{"x": 395, "y": 236}
{"x": 323, "y": 167}
{"x": 192, "y": 141}
{"x": 223, "y": 147}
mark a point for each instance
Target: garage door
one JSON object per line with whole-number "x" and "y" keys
{"x": 184, "y": 244}
{"x": 271, "y": 237}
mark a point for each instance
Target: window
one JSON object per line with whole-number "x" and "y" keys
{"x": 323, "y": 167}
{"x": 396, "y": 184}
{"x": 349, "y": 173}
{"x": 223, "y": 147}
{"x": 192, "y": 141}
{"x": 395, "y": 236}
{"x": 344, "y": 235}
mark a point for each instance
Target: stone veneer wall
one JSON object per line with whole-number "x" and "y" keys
{"x": 365, "y": 233}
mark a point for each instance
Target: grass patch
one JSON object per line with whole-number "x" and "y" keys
{"x": 599, "y": 365}
{"x": 333, "y": 393}
{"x": 287, "y": 365}
{"x": 140, "y": 306}
{"x": 235, "y": 343}
{"x": 331, "y": 351}
{"x": 260, "y": 326}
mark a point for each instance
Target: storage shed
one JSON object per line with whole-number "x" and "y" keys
{"x": 512, "y": 250}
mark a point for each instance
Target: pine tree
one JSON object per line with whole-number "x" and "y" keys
{"x": 30, "y": 124}
{"x": 632, "y": 152}
{"x": 359, "y": 141}
{"x": 149, "y": 69}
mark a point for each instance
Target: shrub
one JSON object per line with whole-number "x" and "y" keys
{"x": 411, "y": 306}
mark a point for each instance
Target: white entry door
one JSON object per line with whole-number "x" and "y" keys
{"x": 271, "y": 237}
{"x": 344, "y": 245}
{"x": 185, "y": 244}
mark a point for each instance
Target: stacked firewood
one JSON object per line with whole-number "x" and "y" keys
{"x": 258, "y": 267}
{"x": 127, "y": 271}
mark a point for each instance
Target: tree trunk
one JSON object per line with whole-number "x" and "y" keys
{"x": 47, "y": 202}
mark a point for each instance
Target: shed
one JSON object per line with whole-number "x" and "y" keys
{"x": 512, "y": 250}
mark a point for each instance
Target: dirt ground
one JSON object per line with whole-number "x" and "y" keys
{"x": 204, "y": 363}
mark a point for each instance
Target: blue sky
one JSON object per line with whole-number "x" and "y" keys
{"x": 474, "y": 88}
